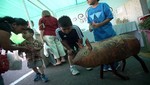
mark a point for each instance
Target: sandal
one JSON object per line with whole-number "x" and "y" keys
{"x": 63, "y": 61}
{"x": 57, "y": 64}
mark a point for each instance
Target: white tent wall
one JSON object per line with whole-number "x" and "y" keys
{"x": 148, "y": 3}
{"x": 11, "y": 8}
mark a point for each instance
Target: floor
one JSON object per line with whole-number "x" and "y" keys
{"x": 60, "y": 75}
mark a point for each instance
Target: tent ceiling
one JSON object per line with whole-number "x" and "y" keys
{"x": 16, "y": 7}
{"x": 59, "y": 4}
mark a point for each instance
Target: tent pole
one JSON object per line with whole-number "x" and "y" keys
{"x": 46, "y": 7}
{"x": 76, "y": 2}
{"x": 35, "y": 5}
{"x": 27, "y": 13}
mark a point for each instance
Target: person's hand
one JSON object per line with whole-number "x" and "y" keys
{"x": 70, "y": 52}
{"x": 90, "y": 29}
{"x": 23, "y": 49}
{"x": 95, "y": 25}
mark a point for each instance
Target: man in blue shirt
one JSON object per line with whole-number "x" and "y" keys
{"x": 99, "y": 17}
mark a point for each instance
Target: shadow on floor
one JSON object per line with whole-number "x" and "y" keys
{"x": 60, "y": 75}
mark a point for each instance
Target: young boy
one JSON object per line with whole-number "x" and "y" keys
{"x": 99, "y": 17}
{"x": 34, "y": 58}
{"x": 69, "y": 35}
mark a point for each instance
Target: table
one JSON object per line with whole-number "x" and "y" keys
{"x": 125, "y": 27}
{"x": 129, "y": 28}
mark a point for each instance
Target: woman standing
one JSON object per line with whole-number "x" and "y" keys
{"x": 8, "y": 25}
{"x": 47, "y": 26}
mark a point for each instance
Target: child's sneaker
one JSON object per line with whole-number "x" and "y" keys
{"x": 109, "y": 69}
{"x": 89, "y": 69}
{"x": 37, "y": 77}
{"x": 105, "y": 69}
{"x": 74, "y": 71}
{"x": 44, "y": 78}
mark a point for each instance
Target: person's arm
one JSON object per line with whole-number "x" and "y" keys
{"x": 90, "y": 28}
{"x": 63, "y": 41}
{"x": 108, "y": 16}
{"x": 97, "y": 25}
{"x": 6, "y": 44}
{"x": 80, "y": 35}
{"x": 39, "y": 47}
{"x": 69, "y": 49}
{"x": 65, "y": 44}
{"x": 80, "y": 41}
{"x": 41, "y": 28}
{"x": 41, "y": 34}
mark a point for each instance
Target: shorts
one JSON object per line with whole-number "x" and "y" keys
{"x": 36, "y": 63}
{"x": 55, "y": 46}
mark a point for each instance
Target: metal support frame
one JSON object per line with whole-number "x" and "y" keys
{"x": 46, "y": 7}
{"x": 27, "y": 12}
{"x": 35, "y": 5}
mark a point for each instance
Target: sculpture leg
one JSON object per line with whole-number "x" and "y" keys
{"x": 117, "y": 74}
{"x": 101, "y": 71}
{"x": 123, "y": 65}
{"x": 142, "y": 63}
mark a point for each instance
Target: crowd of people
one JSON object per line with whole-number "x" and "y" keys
{"x": 59, "y": 35}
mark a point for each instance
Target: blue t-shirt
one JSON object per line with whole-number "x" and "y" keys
{"x": 97, "y": 15}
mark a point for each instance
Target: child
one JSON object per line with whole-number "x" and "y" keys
{"x": 34, "y": 58}
{"x": 99, "y": 17}
{"x": 69, "y": 35}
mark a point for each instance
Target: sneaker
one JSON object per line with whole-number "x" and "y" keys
{"x": 89, "y": 69}
{"x": 37, "y": 77}
{"x": 104, "y": 69}
{"x": 74, "y": 71}
{"x": 44, "y": 78}
{"x": 109, "y": 69}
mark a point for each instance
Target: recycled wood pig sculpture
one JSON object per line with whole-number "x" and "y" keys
{"x": 111, "y": 50}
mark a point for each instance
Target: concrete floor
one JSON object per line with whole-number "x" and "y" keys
{"x": 60, "y": 75}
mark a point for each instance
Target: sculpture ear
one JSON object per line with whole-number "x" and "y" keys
{"x": 88, "y": 44}
{"x": 80, "y": 45}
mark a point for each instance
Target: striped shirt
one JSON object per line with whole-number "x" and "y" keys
{"x": 72, "y": 37}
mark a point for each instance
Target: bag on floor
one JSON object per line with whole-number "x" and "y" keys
{"x": 4, "y": 63}
{"x": 15, "y": 62}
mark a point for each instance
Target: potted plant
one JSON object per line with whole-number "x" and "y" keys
{"x": 145, "y": 25}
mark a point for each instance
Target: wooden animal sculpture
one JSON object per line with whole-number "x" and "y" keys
{"x": 111, "y": 50}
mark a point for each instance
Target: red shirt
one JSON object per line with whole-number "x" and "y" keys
{"x": 49, "y": 24}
